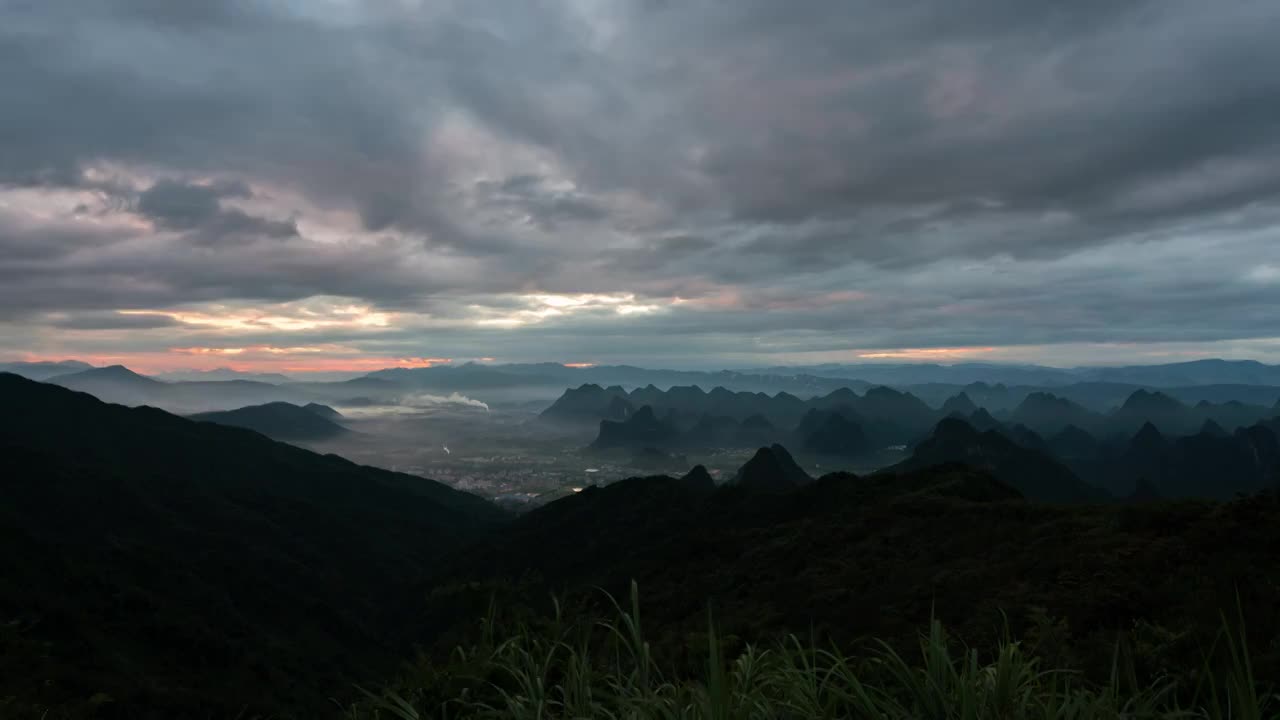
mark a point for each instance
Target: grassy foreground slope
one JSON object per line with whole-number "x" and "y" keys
{"x": 568, "y": 667}
{"x": 849, "y": 559}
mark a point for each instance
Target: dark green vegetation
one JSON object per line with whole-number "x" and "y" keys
{"x": 167, "y": 568}
{"x": 854, "y": 557}
{"x": 190, "y": 568}
{"x": 281, "y": 420}
{"x": 570, "y": 667}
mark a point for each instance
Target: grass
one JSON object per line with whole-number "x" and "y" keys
{"x": 606, "y": 669}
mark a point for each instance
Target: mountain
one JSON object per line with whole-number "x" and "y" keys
{"x": 281, "y": 420}
{"x": 1212, "y": 428}
{"x": 1157, "y": 408}
{"x": 891, "y": 416}
{"x": 1031, "y": 472}
{"x": 169, "y": 568}
{"x": 830, "y": 432}
{"x": 221, "y": 374}
{"x": 698, "y": 480}
{"x": 643, "y": 429}
{"x": 45, "y": 369}
{"x": 712, "y": 431}
{"x": 983, "y": 420}
{"x": 903, "y": 374}
{"x": 771, "y": 469}
{"x": 1048, "y": 413}
{"x": 103, "y": 376}
{"x": 119, "y": 384}
{"x": 846, "y": 558}
{"x": 1147, "y": 445}
{"x": 1231, "y": 414}
{"x": 1073, "y": 442}
{"x": 887, "y": 416}
{"x": 692, "y": 402}
{"x": 1209, "y": 464}
{"x": 1024, "y": 436}
{"x": 959, "y": 404}
{"x": 182, "y": 568}
{"x": 1195, "y": 372}
{"x": 590, "y": 403}
{"x": 884, "y": 405}
{"x": 547, "y": 379}
{"x": 323, "y": 411}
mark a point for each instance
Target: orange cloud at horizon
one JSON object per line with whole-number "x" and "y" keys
{"x": 579, "y": 365}
{"x": 926, "y": 353}
{"x": 247, "y": 359}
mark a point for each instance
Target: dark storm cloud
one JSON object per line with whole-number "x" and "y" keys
{"x": 1082, "y": 111}
{"x": 754, "y": 157}
{"x": 175, "y": 205}
{"x": 112, "y": 321}
{"x": 529, "y": 197}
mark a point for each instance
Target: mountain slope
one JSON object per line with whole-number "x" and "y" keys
{"x": 770, "y": 470}
{"x": 45, "y": 369}
{"x": 188, "y": 568}
{"x": 1031, "y": 472}
{"x": 641, "y": 429}
{"x": 280, "y": 420}
{"x": 848, "y": 557}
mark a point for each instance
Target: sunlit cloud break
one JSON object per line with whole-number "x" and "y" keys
{"x": 541, "y": 307}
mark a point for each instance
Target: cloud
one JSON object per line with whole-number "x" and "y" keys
{"x": 109, "y": 321}
{"x": 174, "y": 205}
{"x": 767, "y": 178}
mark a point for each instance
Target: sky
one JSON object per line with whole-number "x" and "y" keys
{"x": 294, "y": 185}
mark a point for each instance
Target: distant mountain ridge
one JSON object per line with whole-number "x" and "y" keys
{"x": 686, "y": 405}
{"x": 993, "y": 386}
{"x": 101, "y": 375}
{"x": 118, "y": 384}
{"x": 878, "y": 418}
{"x": 1034, "y": 474}
{"x": 45, "y": 369}
{"x": 222, "y": 374}
{"x": 281, "y": 420}
{"x": 1212, "y": 371}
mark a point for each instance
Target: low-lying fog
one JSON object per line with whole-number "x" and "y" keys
{"x": 508, "y": 455}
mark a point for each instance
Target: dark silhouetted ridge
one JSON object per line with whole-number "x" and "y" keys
{"x": 771, "y": 469}
{"x": 641, "y": 429}
{"x": 1031, "y": 472}
{"x": 280, "y": 420}
{"x": 172, "y": 562}
{"x": 698, "y": 479}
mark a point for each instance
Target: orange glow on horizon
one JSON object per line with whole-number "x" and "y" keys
{"x": 943, "y": 353}
{"x": 579, "y": 365}
{"x": 248, "y": 359}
